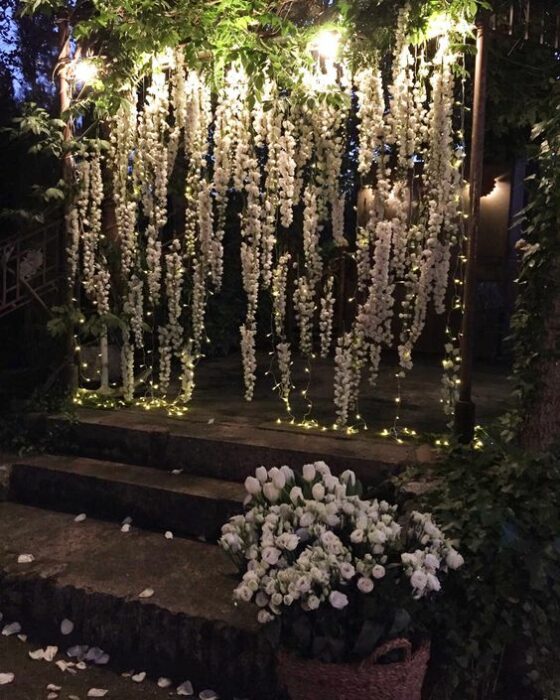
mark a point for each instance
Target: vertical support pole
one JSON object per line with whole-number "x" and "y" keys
{"x": 465, "y": 408}
{"x": 69, "y": 375}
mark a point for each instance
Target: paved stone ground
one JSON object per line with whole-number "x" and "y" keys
{"x": 219, "y": 395}
{"x": 33, "y": 677}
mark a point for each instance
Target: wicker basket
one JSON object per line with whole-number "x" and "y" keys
{"x": 307, "y": 679}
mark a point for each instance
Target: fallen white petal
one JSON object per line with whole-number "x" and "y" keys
{"x": 22, "y": 637}
{"x": 81, "y": 665}
{"x": 93, "y": 654}
{"x": 139, "y": 677}
{"x": 80, "y": 518}
{"x": 164, "y": 682}
{"x": 6, "y": 678}
{"x": 78, "y": 651}
{"x": 127, "y": 520}
{"x": 50, "y": 652}
{"x": 125, "y": 527}
{"x": 208, "y": 695}
{"x": 54, "y": 688}
{"x": 169, "y": 535}
{"x": 66, "y": 627}
{"x": 52, "y": 696}
{"x": 12, "y": 628}
{"x": 177, "y": 471}
{"x": 37, "y": 655}
{"x": 210, "y": 421}
{"x": 103, "y": 659}
{"x": 185, "y": 689}
{"x": 62, "y": 665}
{"x": 97, "y": 693}
{"x": 146, "y": 593}
{"x": 25, "y": 559}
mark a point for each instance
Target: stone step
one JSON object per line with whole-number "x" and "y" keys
{"x": 182, "y": 503}
{"x": 226, "y": 450}
{"x": 92, "y": 574}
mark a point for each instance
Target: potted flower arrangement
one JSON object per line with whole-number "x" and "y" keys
{"x": 338, "y": 581}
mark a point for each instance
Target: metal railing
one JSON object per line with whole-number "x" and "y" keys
{"x": 30, "y": 268}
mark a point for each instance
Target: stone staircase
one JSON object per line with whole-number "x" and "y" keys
{"x": 167, "y": 477}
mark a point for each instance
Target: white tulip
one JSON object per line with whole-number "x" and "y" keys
{"x": 261, "y": 474}
{"x": 271, "y": 492}
{"x": 309, "y": 472}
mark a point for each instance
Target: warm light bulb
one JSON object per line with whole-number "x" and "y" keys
{"x": 85, "y": 72}
{"x": 326, "y": 43}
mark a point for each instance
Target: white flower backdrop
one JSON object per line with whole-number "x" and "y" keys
{"x": 280, "y": 153}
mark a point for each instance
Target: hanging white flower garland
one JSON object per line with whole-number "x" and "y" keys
{"x": 279, "y": 156}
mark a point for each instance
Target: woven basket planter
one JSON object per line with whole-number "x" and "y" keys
{"x": 307, "y": 679}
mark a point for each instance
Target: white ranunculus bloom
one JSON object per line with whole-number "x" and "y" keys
{"x": 454, "y": 560}
{"x": 338, "y": 600}
{"x": 365, "y": 585}
{"x": 264, "y": 616}
{"x": 313, "y": 602}
{"x": 271, "y": 555}
{"x": 419, "y": 580}
{"x": 252, "y": 485}
{"x": 357, "y": 536}
{"x": 431, "y": 562}
{"x": 347, "y": 571}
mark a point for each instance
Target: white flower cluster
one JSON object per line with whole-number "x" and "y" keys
{"x": 434, "y": 556}
{"x": 304, "y": 302}
{"x": 326, "y": 317}
{"x": 312, "y": 541}
{"x": 371, "y": 115}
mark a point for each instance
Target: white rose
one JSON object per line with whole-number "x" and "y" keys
{"x": 261, "y": 474}
{"x": 338, "y": 600}
{"x": 296, "y": 495}
{"x": 454, "y": 560}
{"x": 303, "y": 585}
{"x": 365, "y": 585}
{"x": 277, "y": 599}
{"x": 308, "y": 472}
{"x": 252, "y": 486}
{"x": 318, "y": 491}
{"x": 378, "y": 571}
{"x": 271, "y": 492}
{"x": 288, "y": 600}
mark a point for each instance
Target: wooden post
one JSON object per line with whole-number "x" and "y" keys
{"x": 465, "y": 407}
